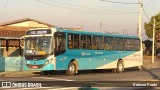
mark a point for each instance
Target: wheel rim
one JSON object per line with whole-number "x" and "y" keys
{"x": 72, "y": 68}
{"x": 120, "y": 67}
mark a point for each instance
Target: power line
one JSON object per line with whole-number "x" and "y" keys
{"x": 145, "y": 13}
{"x": 51, "y": 4}
{"x": 117, "y": 2}
{"x": 6, "y": 4}
{"x": 133, "y": 25}
{"x": 0, "y": 1}
{"x": 87, "y": 7}
{"x": 79, "y": 10}
{"x": 148, "y": 4}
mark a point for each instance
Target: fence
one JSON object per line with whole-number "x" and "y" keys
{"x": 11, "y": 63}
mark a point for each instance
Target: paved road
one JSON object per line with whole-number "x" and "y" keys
{"x": 95, "y": 75}
{"x": 101, "y": 79}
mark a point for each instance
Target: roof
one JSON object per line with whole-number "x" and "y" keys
{"x": 15, "y": 28}
{"x": 22, "y": 20}
{"x": 9, "y": 31}
{"x": 78, "y": 29}
{"x": 12, "y": 33}
{"x": 98, "y": 33}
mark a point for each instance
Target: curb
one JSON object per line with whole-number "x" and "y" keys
{"x": 19, "y": 74}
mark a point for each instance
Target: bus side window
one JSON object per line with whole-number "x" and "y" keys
{"x": 95, "y": 46}
{"x": 136, "y": 44}
{"x": 73, "y": 41}
{"x": 106, "y": 47}
{"x": 128, "y": 44}
{"x": 109, "y": 43}
{"x": 86, "y": 42}
{"x": 118, "y": 44}
{"x": 60, "y": 43}
{"x": 70, "y": 45}
{"x": 98, "y": 43}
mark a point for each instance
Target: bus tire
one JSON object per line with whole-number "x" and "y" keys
{"x": 46, "y": 72}
{"x": 71, "y": 71}
{"x": 120, "y": 67}
{"x": 114, "y": 70}
{"x": 140, "y": 68}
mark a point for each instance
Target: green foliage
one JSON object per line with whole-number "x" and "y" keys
{"x": 148, "y": 26}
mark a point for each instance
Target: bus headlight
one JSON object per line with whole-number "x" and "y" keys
{"x": 47, "y": 62}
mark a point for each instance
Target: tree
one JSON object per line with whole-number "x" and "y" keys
{"x": 148, "y": 45}
{"x": 148, "y": 26}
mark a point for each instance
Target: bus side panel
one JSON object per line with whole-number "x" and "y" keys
{"x": 130, "y": 59}
{"x": 93, "y": 59}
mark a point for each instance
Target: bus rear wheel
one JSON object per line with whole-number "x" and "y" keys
{"x": 120, "y": 67}
{"x": 71, "y": 71}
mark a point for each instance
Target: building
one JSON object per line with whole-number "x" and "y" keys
{"x": 12, "y": 32}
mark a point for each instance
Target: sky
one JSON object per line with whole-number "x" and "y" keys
{"x": 114, "y": 15}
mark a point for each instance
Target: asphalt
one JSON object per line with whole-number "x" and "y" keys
{"x": 147, "y": 64}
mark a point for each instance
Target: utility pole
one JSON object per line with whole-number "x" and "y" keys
{"x": 82, "y": 26}
{"x": 140, "y": 29}
{"x": 137, "y": 29}
{"x": 140, "y": 19}
{"x": 123, "y": 31}
{"x": 153, "y": 41}
{"x": 101, "y": 26}
{"x": 126, "y": 31}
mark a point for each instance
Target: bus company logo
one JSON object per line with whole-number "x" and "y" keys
{"x": 85, "y": 54}
{"x": 6, "y": 84}
{"x": 98, "y": 52}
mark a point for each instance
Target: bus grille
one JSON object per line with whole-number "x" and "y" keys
{"x": 38, "y": 66}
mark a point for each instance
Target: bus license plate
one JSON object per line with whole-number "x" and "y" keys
{"x": 34, "y": 66}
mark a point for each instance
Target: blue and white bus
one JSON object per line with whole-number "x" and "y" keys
{"x": 60, "y": 49}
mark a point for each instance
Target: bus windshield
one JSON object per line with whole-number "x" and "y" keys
{"x": 37, "y": 45}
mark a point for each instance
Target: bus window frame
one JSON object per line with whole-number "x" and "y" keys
{"x": 86, "y": 41}
{"x": 136, "y": 45}
{"x": 94, "y": 37}
{"x": 109, "y": 43}
{"x": 115, "y": 47}
{"x": 128, "y": 44}
{"x": 73, "y": 41}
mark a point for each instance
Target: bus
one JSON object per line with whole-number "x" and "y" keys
{"x": 51, "y": 49}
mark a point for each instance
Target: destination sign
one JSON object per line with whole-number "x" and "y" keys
{"x": 39, "y": 32}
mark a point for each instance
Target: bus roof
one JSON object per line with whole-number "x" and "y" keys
{"x": 97, "y": 33}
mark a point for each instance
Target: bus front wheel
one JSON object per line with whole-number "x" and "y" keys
{"x": 71, "y": 71}
{"x": 120, "y": 67}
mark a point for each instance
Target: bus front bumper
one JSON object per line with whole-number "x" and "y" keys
{"x": 40, "y": 67}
